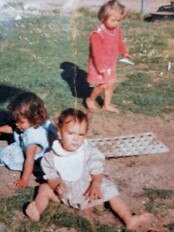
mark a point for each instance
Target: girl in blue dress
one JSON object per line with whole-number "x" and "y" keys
{"x": 31, "y": 131}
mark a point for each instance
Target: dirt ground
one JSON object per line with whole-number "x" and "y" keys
{"x": 131, "y": 174}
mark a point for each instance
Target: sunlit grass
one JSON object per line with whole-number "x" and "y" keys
{"x": 34, "y": 49}
{"x": 32, "y": 53}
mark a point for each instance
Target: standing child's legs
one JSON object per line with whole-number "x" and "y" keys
{"x": 36, "y": 207}
{"x": 108, "y": 97}
{"x": 133, "y": 222}
{"x": 90, "y": 101}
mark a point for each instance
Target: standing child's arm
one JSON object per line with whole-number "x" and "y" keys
{"x": 28, "y": 166}
{"x": 122, "y": 47}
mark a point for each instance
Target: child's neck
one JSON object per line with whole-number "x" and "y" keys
{"x": 109, "y": 30}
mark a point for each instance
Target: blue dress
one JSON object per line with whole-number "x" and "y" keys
{"x": 13, "y": 155}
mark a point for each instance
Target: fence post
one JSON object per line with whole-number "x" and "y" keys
{"x": 143, "y": 6}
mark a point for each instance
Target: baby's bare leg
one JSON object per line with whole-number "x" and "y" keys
{"x": 36, "y": 207}
{"x": 132, "y": 222}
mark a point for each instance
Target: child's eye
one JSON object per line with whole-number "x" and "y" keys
{"x": 81, "y": 135}
{"x": 70, "y": 133}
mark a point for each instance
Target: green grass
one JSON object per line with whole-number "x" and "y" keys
{"x": 59, "y": 215}
{"x": 56, "y": 216}
{"x": 159, "y": 200}
{"x": 140, "y": 96}
{"x": 34, "y": 49}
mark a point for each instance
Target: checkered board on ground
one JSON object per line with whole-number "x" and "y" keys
{"x": 138, "y": 144}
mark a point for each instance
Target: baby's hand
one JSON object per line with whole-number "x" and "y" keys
{"x": 21, "y": 183}
{"x": 93, "y": 192}
{"x": 61, "y": 188}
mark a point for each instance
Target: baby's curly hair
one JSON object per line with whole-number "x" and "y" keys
{"x": 105, "y": 10}
{"x": 30, "y": 106}
{"x": 75, "y": 114}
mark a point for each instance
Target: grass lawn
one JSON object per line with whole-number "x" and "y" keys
{"x": 48, "y": 55}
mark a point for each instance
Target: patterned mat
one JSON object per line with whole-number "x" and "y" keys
{"x": 138, "y": 144}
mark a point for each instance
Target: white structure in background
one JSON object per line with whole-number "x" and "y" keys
{"x": 169, "y": 65}
{"x": 130, "y": 145}
{"x": 70, "y": 5}
{"x": 143, "y": 6}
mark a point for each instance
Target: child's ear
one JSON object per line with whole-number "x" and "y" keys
{"x": 59, "y": 133}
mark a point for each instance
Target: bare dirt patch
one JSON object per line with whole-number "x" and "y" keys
{"x": 131, "y": 174}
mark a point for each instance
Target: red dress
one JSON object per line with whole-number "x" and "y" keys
{"x": 105, "y": 46}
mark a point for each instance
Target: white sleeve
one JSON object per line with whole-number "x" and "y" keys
{"x": 48, "y": 167}
{"x": 96, "y": 160}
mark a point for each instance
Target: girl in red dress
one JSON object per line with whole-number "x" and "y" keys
{"x": 106, "y": 44}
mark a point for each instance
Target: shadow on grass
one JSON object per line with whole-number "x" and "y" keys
{"x": 77, "y": 81}
{"x": 5, "y": 117}
{"x": 7, "y": 92}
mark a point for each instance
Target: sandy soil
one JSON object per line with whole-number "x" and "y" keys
{"x": 134, "y": 173}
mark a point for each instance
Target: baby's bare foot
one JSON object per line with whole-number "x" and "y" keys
{"x": 111, "y": 108}
{"x": 32, "y": 211}
{"x": 91, "y": 105}
{"x": 140, "y": 223}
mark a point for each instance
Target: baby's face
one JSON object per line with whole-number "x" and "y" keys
{"x": 72, "y": 134}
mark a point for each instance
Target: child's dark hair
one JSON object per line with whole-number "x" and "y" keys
{"x": 30, "y": 106}
{"x": 75, "y": 114}
{"x": 106, "y": 9}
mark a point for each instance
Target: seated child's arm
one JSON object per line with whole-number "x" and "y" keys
{"x": 6, "y": 129}
{"x": 58, "y": 186}
{"x": 94, "y": 192}
{"x": 28, "y": 166}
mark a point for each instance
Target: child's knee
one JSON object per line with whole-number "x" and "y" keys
{"x": 45, "y": 189}
{"x": 103, "y": 86}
